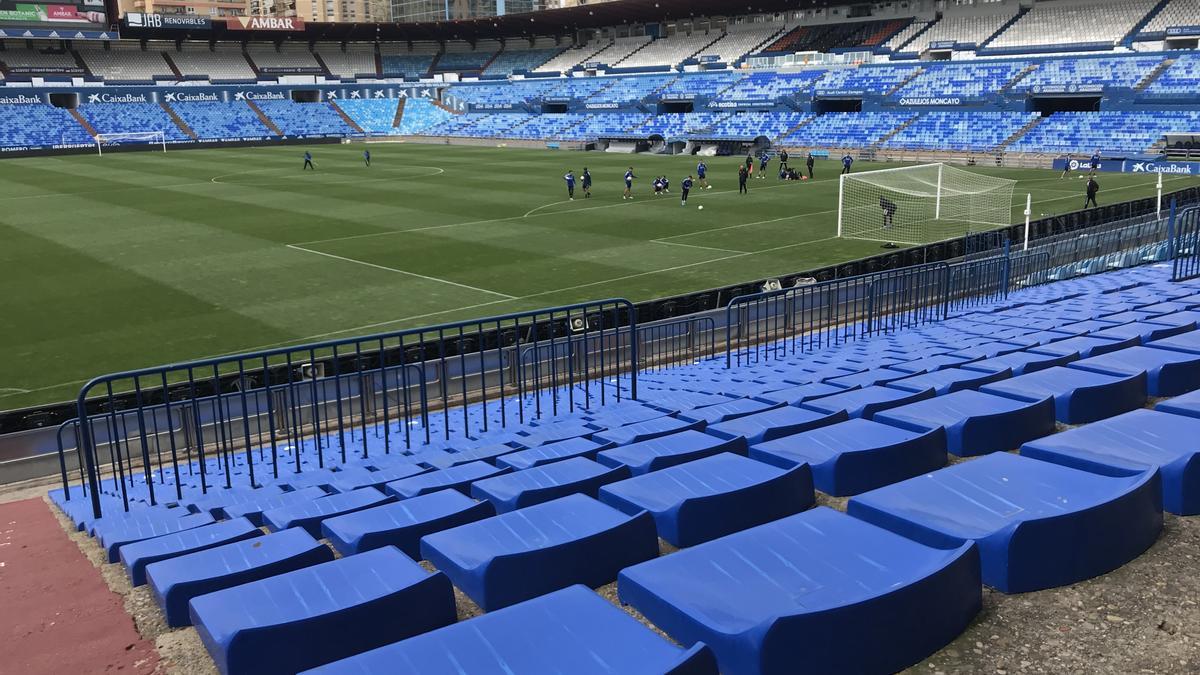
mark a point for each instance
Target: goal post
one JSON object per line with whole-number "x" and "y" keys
{"x": 921, "y": 204}
{"x": 130, "y": 138}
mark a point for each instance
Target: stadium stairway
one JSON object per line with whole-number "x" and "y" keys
{"x": 262, "y": 116}
{"x": 723, "y": 464}
{"x": 1153, "y": 75}
{"x": 1019, "y": 133}
{"x": 346, "y": 118}
{"x": 178, "y": 121}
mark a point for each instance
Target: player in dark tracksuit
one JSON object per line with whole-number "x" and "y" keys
{"x": 749, "y": 165}
{"x": 847, "y": 160}
{"x": 1092, "y": 188}
{"x": 686, "y": 186}
{"x": 308, "y": 161}
{"x": 587, "y": 183}
{"x": 570, "y": 178}
{"x": 889, "y": 211}
{"x": 743, "y": 174}
{"x": 702, "y": 172}
{"x": 809, "y": 163}
{"x": 367, "y": 157}
{"x": 763, "y": 158}
{"x": 1095, "y": 162}
{"x": 783, "y": 160}
{"x": 629, "y": 184}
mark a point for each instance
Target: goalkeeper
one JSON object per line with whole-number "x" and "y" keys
{"x": 889, "y": 211}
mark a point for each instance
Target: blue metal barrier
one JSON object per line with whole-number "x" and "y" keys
{"x": 329, "y": 402}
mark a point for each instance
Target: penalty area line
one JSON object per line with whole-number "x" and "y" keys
{"x": 395, "y": 270}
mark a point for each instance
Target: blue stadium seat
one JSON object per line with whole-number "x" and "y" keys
{"x": 734, "y": 409}
{"x": 1079, "y": 396}
{"x": 857, "y": 455}
{"x": 176, "y": 581}
{"x": 308, "y": 515}
{"x": 1166, "y": 372}
{"x": 976, "y": 423}
{"x": 1184, "y": 342}
{"x": 819, "y": 591}
{"x": 950, "y": 380}
{"x": 773, "y": 424}
{"x": 1185, "y": 404}
{"x": 516, "y": 490}
{"x": 1019, "y": 363}
{"x": 457, "y": 477}
{"x": 1083, "y": 346}
{"x": 572, "y": 631}
{"x": 394, "y": 470}
{"x": 1137, "y": 441}
{"x": 213, "y": 499}
{"x": 644, "y": 431}
{"x": 1038, "y": 525}
{"x": 402, "y": 524}
{"x": 311, "y": 616}
{"x": 486, "y": 453}
{"x": 552, "y": 452}
{"x": 138, "y": 555}
{"x": 553, "y": 432}
{"x": 867, "y": 401}
{"x": 711, "y": 497}
{"x": 252, "y": 509}
{"x": 664, "y": 451}
{"x": 797, "y": 394}
{"x": 515, "y": 556}
{"x": 115, "y": 535}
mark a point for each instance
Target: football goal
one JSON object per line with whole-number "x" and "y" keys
{"x": 921, "y": 204}
{"x": 130, "y": 138}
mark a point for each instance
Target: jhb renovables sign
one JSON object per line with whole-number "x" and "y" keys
{"x": 174, "y": 21}
{"x": 264, "y": 23}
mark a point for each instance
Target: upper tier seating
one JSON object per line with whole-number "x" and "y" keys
{"x": 397, "y": 61}
{"x": 226, "y": 63}
{"x": 118, "y": 118}
{"x": 972, "y": 29}
{"x": 1090, "y": 73}
{"x": 38, "y": 125}
{"x": 770, "y": 86}
{"x": 571, "y": 57}
{"x": 358, "y": 59}
{"x": 961, "y": 79}
{"x": 216, "y": 119}
{"x": 751, "y": 125}
{"x": 699, "y": 85}
{"x": 1055, "y": 23}
{"x": 910, "y": 31}
{"x": 123, "y": 64}
{"x": 1181, "y": 77}
{"x": 972, "y": 131}
{"x": 32, "y": 59}
{"x": 825, "y": 37}
{"x": 374, "y": 116}
{"x": 669, "y": 51}
{"x": 679, "y": 124}
{"x": 1083, "y": 133}
{"x": 1174, "y": 13}
{"x": 620, "y": 49}
{"x": 845, "y": 130}
{"x": 631, "y": 89}
{"x": 740, "y": 40}
{"x": 511, "y": 60}
{"x": 290, "y": 57}
{"x": 294, "y": 118}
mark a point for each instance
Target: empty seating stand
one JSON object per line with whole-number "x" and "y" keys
{"x": 511, "y": 491}
{"x": 1080, "y": 396}
{"x": 176, "y": 581}
{"x": 819, "y": 592}
{"x": 515, "y": 556}
{"x": 553, "y": 452}
{"x": 116, "y": 534}
{"x": 976, "y": 423}
{"x": 252, "y": 509}
{"x": 1132, "y": 443}
{"x": 402, "y": 524}
{"x": 309, "y": 617}
{"x": 664, "y": 451}
{"x": 1037, "y": 525}
{"x": 572, "y": 631}
{"x": 708, "y": 498}
{"x": 857, "y": 455}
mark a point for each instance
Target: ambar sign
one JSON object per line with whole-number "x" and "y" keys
{"x": 264, "y": 23}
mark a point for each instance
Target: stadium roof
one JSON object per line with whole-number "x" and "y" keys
{"x": 549, "y": 22}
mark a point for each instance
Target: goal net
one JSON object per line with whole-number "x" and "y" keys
{"x": 130, "y": 138}
{"x": 921, "y": 204}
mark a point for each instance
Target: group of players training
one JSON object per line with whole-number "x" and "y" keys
{"x": 662, "y": 184}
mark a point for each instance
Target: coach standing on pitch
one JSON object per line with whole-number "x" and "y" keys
{"x": 1092, "y": 188}
{"x": 809, "y": 162}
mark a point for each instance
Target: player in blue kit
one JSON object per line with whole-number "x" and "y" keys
{"x": 367, "y": 158}
{"x": 570, "y": 178}
{"x": 686, "y": 185}
{"x": 763, "y": 158}
{"x": 847, "y": 160}
{"x": 308, "y": 161}
{"x": 629, "y": 184}
{"x": 702, "y": 175}
{"x": 587, "y": 183}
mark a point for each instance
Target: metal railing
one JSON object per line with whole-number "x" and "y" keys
{"x": 1185, "y": 246}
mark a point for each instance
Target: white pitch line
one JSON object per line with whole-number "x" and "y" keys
{"x": 400, "y": 271}
{"x": 704, "y": 248}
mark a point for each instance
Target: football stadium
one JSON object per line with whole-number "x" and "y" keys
{"x": 621, "y": 337}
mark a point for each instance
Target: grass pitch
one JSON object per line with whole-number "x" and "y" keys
{"x": 136, "y": 259}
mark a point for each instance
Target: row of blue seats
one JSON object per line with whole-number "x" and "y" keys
{"x": 723, "y": 462}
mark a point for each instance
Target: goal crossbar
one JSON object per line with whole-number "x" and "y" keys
{"x": 919, "y": 204}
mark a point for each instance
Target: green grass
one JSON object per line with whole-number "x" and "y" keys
{"x": 137, "y": 259}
